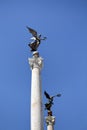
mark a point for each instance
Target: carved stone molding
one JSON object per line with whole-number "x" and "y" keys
{"x": 50, "y": 120}
{"x": 35, "y": 62}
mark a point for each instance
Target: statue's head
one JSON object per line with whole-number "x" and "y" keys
{"x": 35, "y": 54}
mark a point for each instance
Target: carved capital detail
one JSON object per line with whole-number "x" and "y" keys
{"x": 35, "y": 62}
{"x": 50, "y": 120}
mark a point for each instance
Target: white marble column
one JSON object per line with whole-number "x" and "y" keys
{"x": 36, "y": 92}
{"x": 50, "y": 120}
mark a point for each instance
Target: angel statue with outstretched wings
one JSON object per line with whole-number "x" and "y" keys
{"x": 36, "y": 39}
{"x": 49, "y": 104}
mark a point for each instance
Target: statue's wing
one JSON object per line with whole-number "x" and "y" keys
{"x": 32, "y": 31}
{"x": 47, "y": 95}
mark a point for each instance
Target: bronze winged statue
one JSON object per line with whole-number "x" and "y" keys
{"x": 36, "y": 39}
{"x": 49, "y": 104}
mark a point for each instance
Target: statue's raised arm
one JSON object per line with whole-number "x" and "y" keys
{"x": 36, "y": 39}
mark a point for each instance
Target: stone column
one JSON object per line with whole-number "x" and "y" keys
{"x": 36, "y": 92}
{"x": 50, "y": 120}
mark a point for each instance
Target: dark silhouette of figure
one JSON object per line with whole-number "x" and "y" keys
{"x": 49, "y": 104}
{"x": 36, "y": 39}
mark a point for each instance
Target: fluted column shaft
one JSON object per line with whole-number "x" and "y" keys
{"x": 36, "y": 94}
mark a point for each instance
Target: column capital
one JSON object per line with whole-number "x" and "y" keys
{"x": 35, "y": 61}
{"x": 50, "y": 120}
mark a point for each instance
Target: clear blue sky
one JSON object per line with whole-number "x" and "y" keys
{"x": 64, "y": 23}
